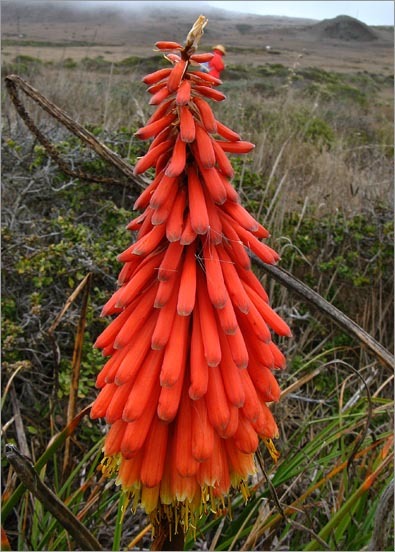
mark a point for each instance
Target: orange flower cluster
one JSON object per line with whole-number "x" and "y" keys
{"x": 190, "y": 349}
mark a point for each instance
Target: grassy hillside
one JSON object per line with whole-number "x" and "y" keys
{"x": 321, "y": 180}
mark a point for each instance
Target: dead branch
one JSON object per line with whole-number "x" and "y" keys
{"x": 14, "y": 81}
{"x": 342, "y": 320}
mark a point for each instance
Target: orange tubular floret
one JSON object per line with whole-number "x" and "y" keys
{"x": 202, "y": 58}
{"x": 236, "y": 147}
{"x": 164, "y": 324}
{"x": 187, "y": 291}
{"x": 135, "y": 224}
{"x": 169, "y": 399}
{"x": 254, "y": 322}
{"x": 163, "y": 190}
{"x": 185, "y": 463}
{"x": 216, "y": 400}
{"x": 183, "y": 93}
{"x": 208, "y": 323}
{"x": 132, "y": 362}
{"x": 141, "y": 311}
{"x": 269, "y": 315}
{"x": 165, "y": 292}
{"x": 129, "y": 471}
{"x": 156, "y": 127}
{"x": 233, "y": 283}
{"x": 210, "y": 471}
{"x": 168, "y": 45}
{"x": 205, "y": 147}
{"x": 178, "y": 159}
{"x": 174, "y": 360}
{"x": 264, "y": 381}
{"x": 205, "y": 77}
{"x": 268, "y": 427}
{"x": 118, "y": 401}
{"x": 127, "y": 271}
{"x": 279, "y": 358}
{"x": 175, "y": 222}
{"x": 243, "y": 217}
{"x": 187, "y": 125}
{"x": 154, "y": 453}
{"x": 215, "y": 95}
{"x": 238, "y": 349}
{"x": 160, "y": 111}
{"x": 227, "y": 133}
{"x": 245, "y": 438}
{"x": 149, "y": 498}
{"x": 231, "y": 376}
{"x": 258, "y": 349}
{"x": 227, "y": 317}
{"x": 108, "y": 335}
{"x": 261, "y": 250}
{"x": 206, "y": 114}
{"x": 162, "y": 136}
{"x": 197, "y": 203}
{"x": 231, "y": 193}
{"x": 156, "y": 76}
{"x": 150, "y": 158}
{"x": 214, "y": 184}
{"x": 156, "y": 87}
{"x": 162, "y": 213}
{"x": 215, "y": 281}
{"x": 215, "y": 225}
{"x": 107, "y": 375}
{"x": 248, "y": 277}
{"x": 144, "y": 245}
{"x": 108, "y": 351}
{"x": 102, "y": 401}
{"x": 202, "y": 431}
{"x": 223, "y": 485}
{"x": 241, "y": 464}
{"x": 174, "y": 58}
{"x": 144, "y": 386}
{"x": 223, "y": 162}
{"x": 198, "y": 362}
{"x": 143, "y": 200}
{"x": 137, "y": 430}
{"x": 159, "y": 96}
{"x": 233, "y": 424}
{"x": 233, "y": 245}
{"x": 146, "y": 226}
{"x": 113, "y": 440}
{"x": 163, "y": 160}
{"x": 174, "y": 79}
{"x": 141, "y": 279}
{"x": 252, "y": 406}
{"x": 188, "y": 233}
{"x": 169, "y": 265}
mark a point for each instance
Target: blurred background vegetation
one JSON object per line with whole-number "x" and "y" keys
{"x": 321, "y": 180}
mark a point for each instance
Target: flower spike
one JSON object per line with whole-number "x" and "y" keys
{"x": 190, "y": 349}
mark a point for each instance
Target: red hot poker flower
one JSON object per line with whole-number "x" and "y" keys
{"x": 190, "y": 348}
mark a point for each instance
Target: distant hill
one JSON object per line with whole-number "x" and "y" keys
{"x": 344, "y": 27}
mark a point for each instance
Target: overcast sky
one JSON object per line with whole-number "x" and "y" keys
{"x": 370, "y": 12}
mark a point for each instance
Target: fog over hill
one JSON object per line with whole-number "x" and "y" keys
{"x": 95, "y": 11}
